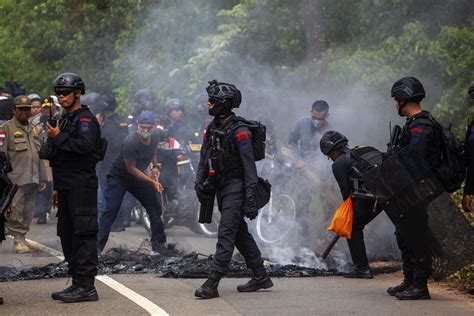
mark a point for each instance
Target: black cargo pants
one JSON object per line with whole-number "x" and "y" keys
{"x": 77, "y": 229}
{"x": 233, "y": 230}
{"x": 415, "y": 241}
{"x": 363, "y": 214}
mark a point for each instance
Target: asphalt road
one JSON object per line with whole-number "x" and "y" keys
{"x": 289, "y": 296}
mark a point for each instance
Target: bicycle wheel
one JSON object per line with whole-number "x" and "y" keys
{"x": 277, "y": 218}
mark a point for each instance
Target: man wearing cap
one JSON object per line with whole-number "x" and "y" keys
{"x": 128, "y": 174}
{"x": 19, "y": 141}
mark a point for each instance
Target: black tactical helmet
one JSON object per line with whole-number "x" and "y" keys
{"x": 145, "y": 97}
{"x": 107, "y": 102}
{"x": 408, "y": 89}
{"x": 70, "y": 80}
{"x": 224, "y": 93}
{"x": 332, "y": 140}
{"x": 471, "y": 90}
{"x": 173, "y": 104}
{"x": 92, "y": 101}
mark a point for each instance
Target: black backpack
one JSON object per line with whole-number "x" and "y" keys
{"x": 259, "y": 135}
{"x": 366, "y": 158}
{"x": 452, "y": 170}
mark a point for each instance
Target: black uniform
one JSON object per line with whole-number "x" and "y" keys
{"x": 413, "y": 234}
{"x": 114, "y": 129}
{"x": 469, "y": 184}
{"x": 179, "y": 130}
{"x": 234, "y": 185}
{"x": 363, "y": 207}
{"x": 74, "y": 175}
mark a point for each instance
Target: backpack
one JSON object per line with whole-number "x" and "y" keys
{"x": 452, "y": 170}
{"x": 366, "y": 158}
{"x": 259, "y": 135}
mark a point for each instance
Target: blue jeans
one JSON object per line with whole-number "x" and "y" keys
{"x": 125, "y": 209}
{"x": 145, "y": 193}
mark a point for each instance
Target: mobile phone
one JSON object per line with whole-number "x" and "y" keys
{"x": 53, "y": 122}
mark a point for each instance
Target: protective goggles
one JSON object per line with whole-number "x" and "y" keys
{"x": 64, "y": 92}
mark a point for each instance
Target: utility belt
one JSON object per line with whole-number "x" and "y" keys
{"x": 74, "y": 164}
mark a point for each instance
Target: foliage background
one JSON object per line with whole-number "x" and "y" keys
{"x": 348, "y": 52}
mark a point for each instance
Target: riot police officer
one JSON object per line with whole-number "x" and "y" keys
{"x": 73, "y": 157}
{"x": 347, "y": 171}
{"x": 114, "y": 128}
{"x": 413, "y": 234}
{"x": 174, "y": 123}
{"x": 234, "y": 175}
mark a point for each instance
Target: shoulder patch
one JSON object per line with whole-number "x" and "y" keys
{"x": 242, "y": 135}
{"x": 85, "y": 126}
{"x": 85, "y": 119}
{"x": 416, "y": 130}
{"x": 17, "y": 133}
{"x": 123, "y": 124}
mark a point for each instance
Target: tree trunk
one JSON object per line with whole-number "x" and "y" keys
{"x": 315, "y": 37}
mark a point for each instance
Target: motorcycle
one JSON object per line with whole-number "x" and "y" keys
{"x": 182, "y": 210}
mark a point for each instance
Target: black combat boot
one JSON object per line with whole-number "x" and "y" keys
{"x": 399, "y": 288}
{"x": 79, "y": 294}
{"x": 55, "y": 295}
{"x": 209, "y": 288}
{"x": 260, "y": 280}
{"x": 414, "y": 292}
{"x": 359, "y": 274}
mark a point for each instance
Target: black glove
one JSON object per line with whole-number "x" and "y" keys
{"x": 250, "y": 204}
{"x": 204, "y": 194}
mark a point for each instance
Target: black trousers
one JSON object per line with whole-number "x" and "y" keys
{"x": 77, "y": 229}
{"x": 233, "y": 230}
{"x": 363, "y": 214}
{"x": 415, "y": 240}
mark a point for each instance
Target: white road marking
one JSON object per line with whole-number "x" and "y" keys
{"x": 141, "y": 301}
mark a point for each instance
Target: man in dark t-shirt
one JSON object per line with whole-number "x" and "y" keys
{"x": 127, "y": 174}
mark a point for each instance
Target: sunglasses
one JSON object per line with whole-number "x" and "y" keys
{"x": 63, "y": 92}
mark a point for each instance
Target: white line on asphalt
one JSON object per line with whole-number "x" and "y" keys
{"x": 141, "y": 301}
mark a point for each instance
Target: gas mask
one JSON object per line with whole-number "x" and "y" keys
{"x": 318, "y": 123}
{"x": 219, "y": 109}
{"x": 145, "y": 134}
